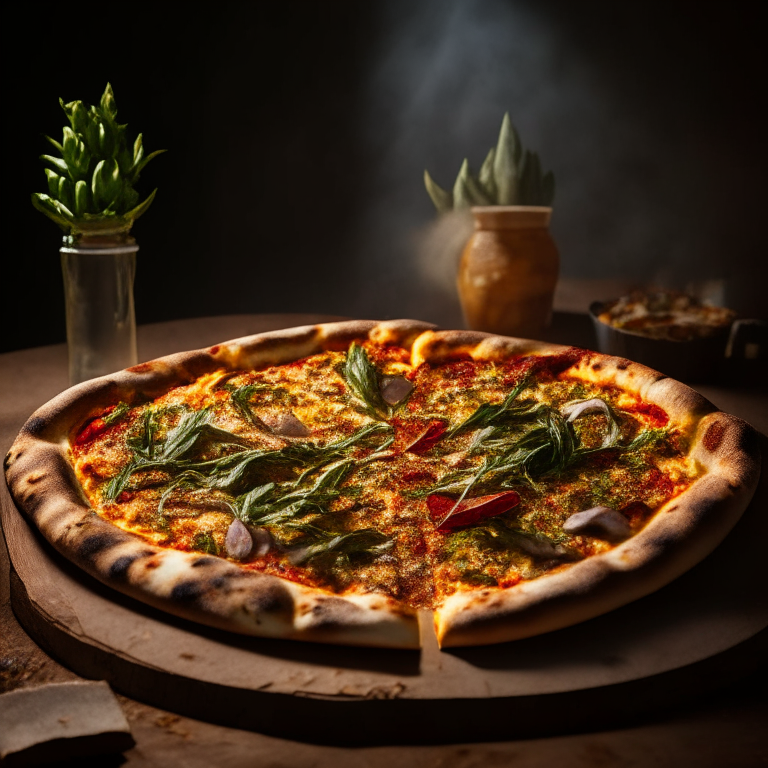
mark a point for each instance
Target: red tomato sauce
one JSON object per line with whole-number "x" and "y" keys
{"x": 655, "y": 416}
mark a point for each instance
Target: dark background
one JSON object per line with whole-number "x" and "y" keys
{"x": 298, "y": 132}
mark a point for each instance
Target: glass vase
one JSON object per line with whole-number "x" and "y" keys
{"x": 98, "y": 291}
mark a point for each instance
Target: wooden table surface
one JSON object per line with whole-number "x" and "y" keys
{"x": 721, "y": 728}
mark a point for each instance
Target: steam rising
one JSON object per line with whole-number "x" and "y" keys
{"x": 633, "y": 165}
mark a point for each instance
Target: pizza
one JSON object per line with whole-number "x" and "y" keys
{"x": 366, "y": 482}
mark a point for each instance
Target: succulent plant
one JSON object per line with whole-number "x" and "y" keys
{"x": 91, "y": 186}
{"x": 508, "y": 176}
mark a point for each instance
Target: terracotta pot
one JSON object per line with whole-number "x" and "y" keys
{"x": 508, "y": 271}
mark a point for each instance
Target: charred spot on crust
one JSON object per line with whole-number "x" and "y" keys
{"x": 339, "y": 341}
{"x": 202, "y": 561}
{"x": 329, "y": 612}
{"x": 269, "y": 598}
{"x": 622, "y": 365}
{"x": 197, "y": 366}
{"x": 35, "y": 426}
{"x": 596, "y": 366}
{"x": 119, "y": 567}
{"x": 714, "y": 436}
{"x": 559, "y": 362}
{"x": 215, "y": 349}
{"x": 92, "y": 545}
{"x": 229, "y": 581}
{"x": 186, "y": 590}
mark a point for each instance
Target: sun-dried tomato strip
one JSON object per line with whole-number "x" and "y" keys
{"x": 91, "y": 431}
{"x": 470, "y": 510}
{"x": 429, "y": 437}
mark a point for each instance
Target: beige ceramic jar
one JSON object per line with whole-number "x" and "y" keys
{"x": 508, "y": 271}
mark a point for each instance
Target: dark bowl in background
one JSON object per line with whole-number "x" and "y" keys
{"x": 697, "y": 361}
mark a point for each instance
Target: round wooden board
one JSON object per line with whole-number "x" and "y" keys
{"x": 706, "y": 628}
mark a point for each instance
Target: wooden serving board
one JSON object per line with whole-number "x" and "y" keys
{"x": 706, "y": 628}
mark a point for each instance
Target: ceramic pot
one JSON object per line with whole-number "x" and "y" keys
{"x": 98, "y": 291}
{"x": 508, "y": 271}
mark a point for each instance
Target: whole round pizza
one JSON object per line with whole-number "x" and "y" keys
{"x": 357, "y": 482}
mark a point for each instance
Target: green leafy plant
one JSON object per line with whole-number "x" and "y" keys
{"x": 509, "y": 175}
{"x": 91, "y": 186}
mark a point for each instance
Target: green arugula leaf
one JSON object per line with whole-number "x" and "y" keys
{"x": 287, "y": 501}
{"x": 117, "y": 414}
{"x": 182, "y": 438}
{"x": 363, "y": 379}
{"x": 117, "y": 484}
{"x": 234, "y": 473}
{"x": 143, "y": 444}
{"x": 241, "y": 397}
{"x": 500, "y": 535}
{"x": 488, "y": 413}
{"x": 363, "y": 543}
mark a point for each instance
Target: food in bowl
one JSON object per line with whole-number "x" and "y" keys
{"x": 669, "y": 315}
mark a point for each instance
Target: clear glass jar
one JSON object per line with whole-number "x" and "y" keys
{"x": 98, "y": 288}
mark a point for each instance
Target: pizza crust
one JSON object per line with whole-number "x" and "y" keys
{"x": 219, "y": 593}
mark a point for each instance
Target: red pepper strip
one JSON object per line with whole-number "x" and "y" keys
{"x": 97, "y": 426}
{"x": 470, "y": 510}
{"x": 91, "y": 431}
{"x": 428, "y": 438}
